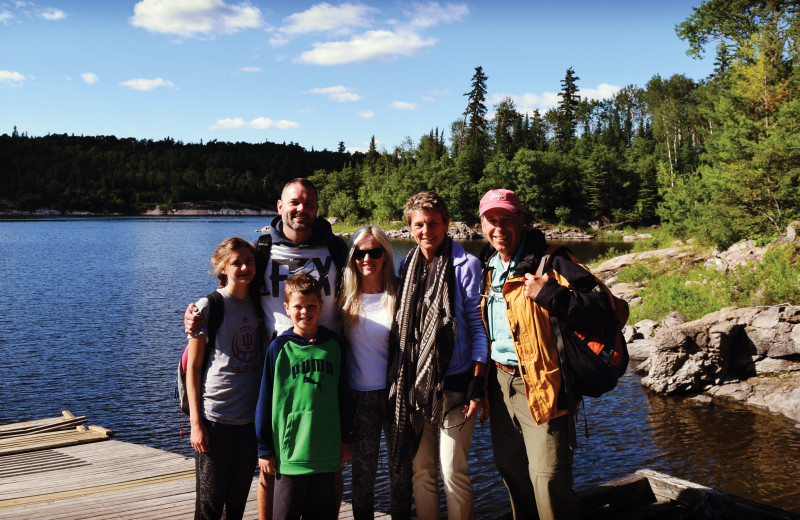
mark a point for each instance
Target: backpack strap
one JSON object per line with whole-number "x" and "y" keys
{"x": 264, "y": 244}
{"x": 544, "y": 263}
{"x": 216, "y": 311}
{"x": 558, "y": 336}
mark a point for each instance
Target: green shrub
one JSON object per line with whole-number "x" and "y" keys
{"x": 774, "y": 280}
{"x": 700, "y": 291}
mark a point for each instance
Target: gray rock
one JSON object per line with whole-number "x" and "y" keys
{"x": 672, "y": 319}
{"x": 629, "y": 333}
{"x": 641, "y": 348}
{"x": 625, "y": 291}
{"x": 746, "y": 355}
{"x": 772, "y": 367}
{"x": 646, "y": 327}
{"x": 791, "y": 230}
{"x": 717, "y": 264}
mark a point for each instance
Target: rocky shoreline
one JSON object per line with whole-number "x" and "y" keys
{"x": 746, "y": 355}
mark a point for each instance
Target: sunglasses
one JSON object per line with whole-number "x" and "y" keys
{"x": 374, "y": 253}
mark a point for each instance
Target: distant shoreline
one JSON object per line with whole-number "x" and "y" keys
{"x": 181, "y": 209}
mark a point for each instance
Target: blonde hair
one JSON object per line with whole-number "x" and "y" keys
{"x": 348, "y": 301}
{"x": 426, "y": 201}
{"x": 223, "y": 253}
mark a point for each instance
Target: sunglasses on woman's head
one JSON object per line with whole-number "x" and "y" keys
{"x": 374, "y": 253}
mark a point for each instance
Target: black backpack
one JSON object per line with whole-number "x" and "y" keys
{"x": 592, "y": 361}
{"x": 216, "y": 311}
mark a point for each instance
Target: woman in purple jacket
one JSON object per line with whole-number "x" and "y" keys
{"x": 437, "y": 357}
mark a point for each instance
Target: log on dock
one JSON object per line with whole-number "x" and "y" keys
{"x": 49, "y": 433}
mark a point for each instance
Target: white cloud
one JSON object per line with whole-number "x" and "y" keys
{"x": 403, "y": 38}
{"x": 603, "y": 91}
{"x": 338, "y": 20}
{"x": 6, "y": 17}
{"x": 425, "y": 16}
{"x": 146, "y": 84}
{"x": 527, "y": 102}
{"x": 371, "y": 46}
{"x": 366, "y": 114}
{"x": 11, "y": 78}
{"x": 403, "y": 105}
{"x": 51, "y": 13}
{"x": 338, "y": 93}
{"x": 259, "y": 123}
{"x": 431, "y": 95}
{"x": 250, "y": 69}
{"x": 29, "y": 10}
{"x": 194, "y": 18}
{"x": 90, "y": 78}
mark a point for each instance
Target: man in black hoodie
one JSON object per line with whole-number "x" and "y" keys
{"x": 298, "y": 242}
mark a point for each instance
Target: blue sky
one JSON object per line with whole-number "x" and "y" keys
{"x": 315, "y": 73}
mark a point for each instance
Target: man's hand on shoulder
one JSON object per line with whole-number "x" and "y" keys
{"x": 192, "y": 320}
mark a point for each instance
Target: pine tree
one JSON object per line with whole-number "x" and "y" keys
{"x": 566, "y": 117}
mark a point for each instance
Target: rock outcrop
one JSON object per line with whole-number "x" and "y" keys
{"x": 747, "y": 354}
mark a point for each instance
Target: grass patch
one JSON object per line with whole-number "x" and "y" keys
{"x": 699, "y": 291}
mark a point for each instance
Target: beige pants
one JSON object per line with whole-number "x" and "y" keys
{"x": 452, "y": 443}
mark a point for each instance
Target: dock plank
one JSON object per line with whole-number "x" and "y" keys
{"x": 104, "y": 480}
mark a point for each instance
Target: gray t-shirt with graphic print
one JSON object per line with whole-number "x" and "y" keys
{"x": 233, "y": 376}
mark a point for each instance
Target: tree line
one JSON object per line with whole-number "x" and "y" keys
{"x": 106, "y": 174}
{"x": 716, "y": 158}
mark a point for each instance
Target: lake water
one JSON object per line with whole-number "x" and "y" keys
{"x": 91, "y": 322}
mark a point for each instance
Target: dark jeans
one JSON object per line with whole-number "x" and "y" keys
{"x": 224, "y": 473}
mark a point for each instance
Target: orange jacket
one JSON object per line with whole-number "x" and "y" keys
{"x": 572, "y": 293}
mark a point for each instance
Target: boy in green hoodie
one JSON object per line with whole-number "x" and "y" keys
{"x": 303, "y": 419}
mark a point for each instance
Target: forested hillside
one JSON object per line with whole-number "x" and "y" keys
{"x": 107, "y": 174}
{"x": 716, "y": 158}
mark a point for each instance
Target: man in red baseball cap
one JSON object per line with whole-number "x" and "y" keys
{"x": 533, "y": 433}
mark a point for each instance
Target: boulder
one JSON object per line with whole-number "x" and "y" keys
{"x": 625, "y": 291}
{"x": 722, "y": 352}
{"x": 791, "y": 230}
{"x": 646, "y": 327}
{"x": 672, "y": 319}
{"x": 629, "y": 333}
{"x": 641, "y": 348}
{"x": 611, "y": 267}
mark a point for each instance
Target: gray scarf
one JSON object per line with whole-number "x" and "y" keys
{"x": 421, "y": 344}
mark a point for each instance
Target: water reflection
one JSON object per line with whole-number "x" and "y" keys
{"x": 728, "y": 447}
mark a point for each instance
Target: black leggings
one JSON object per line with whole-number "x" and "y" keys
{"x": 311, "y": 497}
{"x": 224, "y": 473}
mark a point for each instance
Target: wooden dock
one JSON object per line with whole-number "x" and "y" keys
{"x": 57, "y": 469}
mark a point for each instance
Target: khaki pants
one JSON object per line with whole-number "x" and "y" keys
{"x": 450, "y": 446}
{"x": 535, "y": 460}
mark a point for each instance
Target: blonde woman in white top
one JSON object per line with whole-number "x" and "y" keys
{"x": 365, "y": 307}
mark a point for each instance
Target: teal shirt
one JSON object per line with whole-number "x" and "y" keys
{"x": 502, "y": 344}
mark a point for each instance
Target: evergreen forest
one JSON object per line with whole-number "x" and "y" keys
{"x": 716, "y": 158}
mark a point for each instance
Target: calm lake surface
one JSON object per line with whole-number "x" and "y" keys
{"x": 91, "y": 322}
